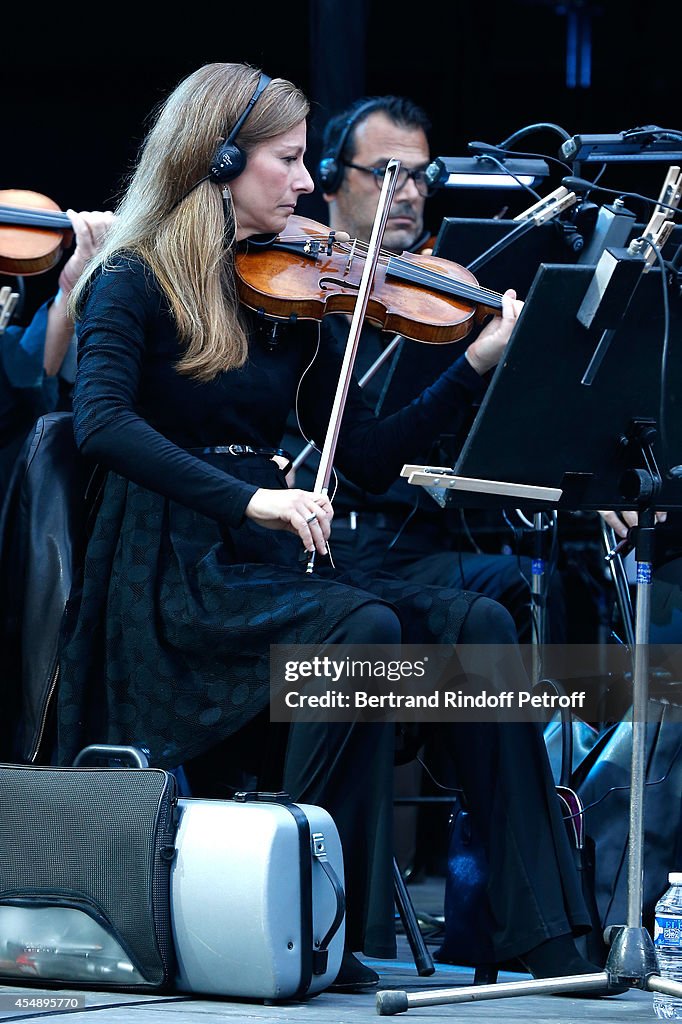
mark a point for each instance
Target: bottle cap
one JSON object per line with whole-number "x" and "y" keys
{"x": 675, "y": 878}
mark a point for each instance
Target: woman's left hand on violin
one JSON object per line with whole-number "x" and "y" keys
{"x": 90, "y": 229}
{"x": 486, "y": 351}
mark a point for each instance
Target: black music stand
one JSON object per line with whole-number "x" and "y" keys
{"x": 548, "y": 421}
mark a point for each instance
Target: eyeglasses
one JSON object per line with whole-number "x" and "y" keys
{"x": 418, "y": 177}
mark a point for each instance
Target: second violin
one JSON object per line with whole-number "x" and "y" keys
{"x": 33, "y": 232}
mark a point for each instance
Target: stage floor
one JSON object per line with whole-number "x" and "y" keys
{"x": 333, "y": 1008}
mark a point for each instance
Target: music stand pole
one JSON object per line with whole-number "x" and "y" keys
{"x": 620, "y": 581}
{"x": 538, "y": 605}
{"x": 632, "y": 958}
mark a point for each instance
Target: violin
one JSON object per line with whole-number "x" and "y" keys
{"x": 307, "y": 271}
{"x": 33, "y": 232}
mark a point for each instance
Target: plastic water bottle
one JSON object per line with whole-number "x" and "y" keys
{"x": 668, "y": 945}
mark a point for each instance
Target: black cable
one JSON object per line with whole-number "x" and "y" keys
{"x": 434, "y": 780}
{"x": 484, "y": 149}
{"x": 616, "y": 789}
{"x": 530, "y": 128}
{"x": 517, "y": 535}
{"x": 671, "y": 472}
{"x": 573, "y": 182}
{"x": 599, "y": 174}
{"x": 460, "y": 555}
{"x": 189, "y": 190}
{"x": 467, "y": 532}
{"x": 565, "y": 817}
{"x": 404, "y": 523}
{"x": 460, "y": 565}
{"x": 516, "y": 178}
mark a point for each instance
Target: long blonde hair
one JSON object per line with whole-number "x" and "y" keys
{"x": 187, "y": 234}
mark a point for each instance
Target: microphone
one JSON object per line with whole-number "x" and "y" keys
{"x": 582, "y": 185}
{"x": 578, "y": 184}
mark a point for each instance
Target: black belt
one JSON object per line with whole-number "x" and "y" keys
{"x": 246, "y": 449}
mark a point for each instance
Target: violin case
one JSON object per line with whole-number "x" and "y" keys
{"x": 257, "y": 897}
{"x": 85, "y": 861}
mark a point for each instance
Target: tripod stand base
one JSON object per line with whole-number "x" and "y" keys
{"x": 395, "y": 1001}
{"x": 632, "y": 957}
{"x": 633, "y": 960}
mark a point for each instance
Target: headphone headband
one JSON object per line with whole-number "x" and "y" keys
{"x": 263, "y": 82}
{"x": 330, "y": 168}
{"x": 230, "y": 160}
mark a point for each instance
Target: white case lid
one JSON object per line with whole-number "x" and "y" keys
{"x": 675, "y": 877}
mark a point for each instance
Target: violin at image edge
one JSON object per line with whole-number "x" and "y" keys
{"x": 307, "y": 272}
{"x": 33, "y": 232}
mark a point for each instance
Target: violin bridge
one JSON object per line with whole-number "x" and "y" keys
{"x": 311, "y": 247}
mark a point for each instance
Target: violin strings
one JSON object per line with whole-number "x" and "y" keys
{"x": 32, "y": 218}
{"x": 429, "y": 277}
{"x": 417, "y": 275}
{"x": 426, "y": 275}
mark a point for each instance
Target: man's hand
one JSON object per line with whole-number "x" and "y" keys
{"x": 89, "y": 230}
{"x": 488, "y": 349}
{"x": 620, "y": 522}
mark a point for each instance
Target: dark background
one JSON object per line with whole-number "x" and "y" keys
{"x": 75, "y": 98}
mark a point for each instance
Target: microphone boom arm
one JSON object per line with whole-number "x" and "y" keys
{"x": 539, "y": 213}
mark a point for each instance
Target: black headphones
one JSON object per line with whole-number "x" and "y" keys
{"x": 330, "y": 168}
{"x": 229, "y": 160}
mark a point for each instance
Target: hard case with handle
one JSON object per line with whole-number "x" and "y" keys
{"x": 257, "y": 897}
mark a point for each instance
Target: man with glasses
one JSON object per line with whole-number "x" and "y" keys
{"x": 402, "y": 531}
{"x": 358, "y": 143}
{"x": 406, "y": 533}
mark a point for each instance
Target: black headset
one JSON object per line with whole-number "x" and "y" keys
{"x": 230, "y": 160}
{"x": 330, "y": 168}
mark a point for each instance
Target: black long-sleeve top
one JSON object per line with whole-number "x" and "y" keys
{"x": 136, "y": 414}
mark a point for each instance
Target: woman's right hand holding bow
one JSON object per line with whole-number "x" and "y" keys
{"x": 296, "y": 511}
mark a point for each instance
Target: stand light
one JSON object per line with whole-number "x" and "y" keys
{"x": 482, "y": 172}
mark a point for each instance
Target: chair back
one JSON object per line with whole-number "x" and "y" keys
{"x": 42, "y": 529}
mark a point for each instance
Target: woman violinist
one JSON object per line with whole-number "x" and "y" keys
{"x": 194, "y": 566}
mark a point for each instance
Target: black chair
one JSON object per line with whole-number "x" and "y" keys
{"x": 42, "y": 522}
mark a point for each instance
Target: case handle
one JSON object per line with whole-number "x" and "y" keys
{"x": 134, "y": 756}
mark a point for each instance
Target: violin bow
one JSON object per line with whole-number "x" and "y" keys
{"x": 324, "y": 471}
{"x": 365, "y": 379}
